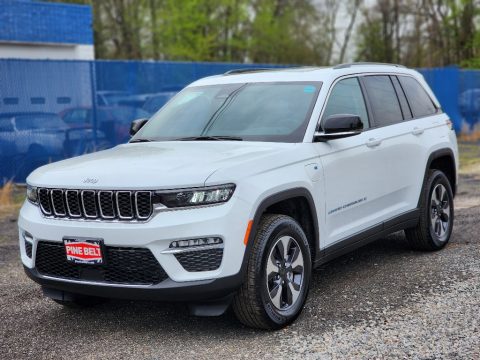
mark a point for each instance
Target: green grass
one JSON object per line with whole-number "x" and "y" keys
{"x": 469, "y": 157}
{"x": 11, "y": 199}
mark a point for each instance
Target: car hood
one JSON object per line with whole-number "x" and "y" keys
{"x": 159, "y": 165}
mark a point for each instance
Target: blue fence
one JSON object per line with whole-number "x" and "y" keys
{"x": 45, "y": 22}
{"x": 51, "y": 110}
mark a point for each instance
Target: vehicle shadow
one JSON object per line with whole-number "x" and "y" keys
{"x": 346, "y": 289}
{"x": 357, "y": 287}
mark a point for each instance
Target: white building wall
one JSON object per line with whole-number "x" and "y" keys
{"x": 9, "y": 50}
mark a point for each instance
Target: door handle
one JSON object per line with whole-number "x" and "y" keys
{"x": 417, "y": 131}
{"x": 372, "y": 142}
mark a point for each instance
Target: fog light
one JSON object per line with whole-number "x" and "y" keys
{"x": 196, "y": 242}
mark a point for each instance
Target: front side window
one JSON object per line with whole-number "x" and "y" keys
{"x": 383, "y": 99}
{"x": 277, "y": 112}
{"x": 347, "y": 98}
{"x": 419, "y": 101}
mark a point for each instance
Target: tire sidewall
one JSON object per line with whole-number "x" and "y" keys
{"x": 436, "y": 178}
{"x": 287, "y": 227}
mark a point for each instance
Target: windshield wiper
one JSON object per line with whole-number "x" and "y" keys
{"x": 139, "y": 140}
{"x": 206, "y": 138}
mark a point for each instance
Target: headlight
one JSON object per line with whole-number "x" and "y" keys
{"x": 32, "y": 195}
{"x": 195, "y": 197}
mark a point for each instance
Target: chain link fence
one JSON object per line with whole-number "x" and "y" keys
{"x": 52, "y": 110}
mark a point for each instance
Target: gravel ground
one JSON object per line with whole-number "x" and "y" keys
{"x": 382, "y": 301}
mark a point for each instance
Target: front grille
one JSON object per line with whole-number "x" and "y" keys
{"x": 89, "y": 204}
{"x": 124, "y": 205}
{"x": 45, "y": 203}
{"x": 201, "y": 260}
{"x": 132, "y": 266}
{"x": 73, "y": 203}
{"x": 96, "y": 204}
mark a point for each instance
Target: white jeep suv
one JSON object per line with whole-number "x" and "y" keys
{"x": 240, "y": 186}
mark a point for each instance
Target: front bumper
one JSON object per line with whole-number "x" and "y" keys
{"x": 167, "y": 290}
{"x": 227, "y": 221}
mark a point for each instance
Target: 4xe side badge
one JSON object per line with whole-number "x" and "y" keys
{"x": 347, "y": 205}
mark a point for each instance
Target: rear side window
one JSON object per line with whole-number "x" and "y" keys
{"x": 383, "y": 100}
{"x": 419, "y": 101}
{"x": 407, "y": 114}
{"x": 347, "y": 98}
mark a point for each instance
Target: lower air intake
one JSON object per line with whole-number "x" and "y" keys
{"x": 202, "y": 260}
{"x": 132, "y": 266}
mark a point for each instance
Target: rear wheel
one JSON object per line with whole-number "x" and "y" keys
{"x": 436, "y": 214}
{"x": 278, "y": 275}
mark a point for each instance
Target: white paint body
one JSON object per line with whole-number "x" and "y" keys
{"x": 388, "y": 178}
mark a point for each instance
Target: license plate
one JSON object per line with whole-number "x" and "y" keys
{"x": 84, "y": 251}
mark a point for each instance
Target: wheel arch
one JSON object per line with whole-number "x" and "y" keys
{"x": 277, "y": 203}
{"x": 443, "y": 160}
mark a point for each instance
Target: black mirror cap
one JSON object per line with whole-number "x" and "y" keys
{"x": 136, "y": 125}
{"x": 342, "y": 123}
{"x": 338, "y": 127}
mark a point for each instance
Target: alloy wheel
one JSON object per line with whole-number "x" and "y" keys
{"x": 285, "y": 272}
{"x": 440, "y": 212}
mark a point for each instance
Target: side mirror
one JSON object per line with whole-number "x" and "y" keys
{"x": 339, "y": 126}
{"x": 136, "y": 125}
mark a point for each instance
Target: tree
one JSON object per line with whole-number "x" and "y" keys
{"x": 304, "y": 32}
{"x": 420, "y": 32}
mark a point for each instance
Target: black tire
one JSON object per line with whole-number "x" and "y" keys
{"x": 81, "y": 301}
{"x": 427, "y": 235}
{"x": 253, "y": 304}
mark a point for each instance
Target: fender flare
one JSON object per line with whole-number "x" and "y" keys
{"x": 273, "y": 199}
{"x": 435, "y": 155}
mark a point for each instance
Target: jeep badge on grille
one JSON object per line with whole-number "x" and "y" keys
{"x": 90, "y": 181}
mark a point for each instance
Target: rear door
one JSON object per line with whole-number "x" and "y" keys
{"x": 425, "y": 130}
{"x": 399, "y": 148}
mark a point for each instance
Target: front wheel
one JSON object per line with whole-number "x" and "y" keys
{"x": 278, "y": 275}
{"x": 436, "y": 214}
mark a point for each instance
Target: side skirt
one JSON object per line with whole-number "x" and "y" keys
{"x": 403, "y": 221}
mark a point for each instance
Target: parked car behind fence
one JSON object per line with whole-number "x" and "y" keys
{"x": 32, "y": 139}
{"x": 112, "y": 121}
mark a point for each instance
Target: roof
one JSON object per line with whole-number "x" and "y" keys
{"x": 324, "y": 74}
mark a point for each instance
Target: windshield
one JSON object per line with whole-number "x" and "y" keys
{"x": 255, "y": 111}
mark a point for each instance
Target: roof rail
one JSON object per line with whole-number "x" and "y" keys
{"x": 248, "y": 70}
{"x": 344, "y": 66}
